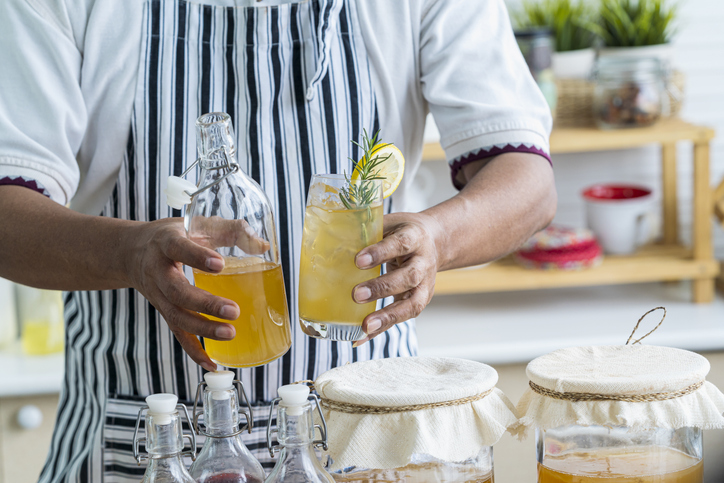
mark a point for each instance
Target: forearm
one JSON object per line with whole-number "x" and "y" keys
{"x": 504, "y": 202}
{"x": 46, "y": 245}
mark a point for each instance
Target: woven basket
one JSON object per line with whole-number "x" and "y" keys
{"x": 575, "y": 100}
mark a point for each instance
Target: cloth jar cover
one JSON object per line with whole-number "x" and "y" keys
{"x": 454, "y": 426}
{"x": 636, "y": 386}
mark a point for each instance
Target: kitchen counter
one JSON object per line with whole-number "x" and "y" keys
{"x": 24, "y": 375}
{"x": 514, "y": 327}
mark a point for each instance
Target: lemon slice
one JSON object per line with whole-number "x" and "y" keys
{"x": 391, "y": 169}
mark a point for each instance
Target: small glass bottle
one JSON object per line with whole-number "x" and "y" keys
{"x": 164, "y": 441}
{"x": 229, "y": 213}
{"x": 224, "y": 458}
{"x": 298, "y": 462}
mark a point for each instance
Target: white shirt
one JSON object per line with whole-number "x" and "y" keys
{"x": 68, "y": 87}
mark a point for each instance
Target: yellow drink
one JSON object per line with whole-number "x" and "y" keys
{"x": 327, "y": 274}
{"x": 262, "y": 329}
{"x": 652, "y": 464}
{"x": 42, "y": 337}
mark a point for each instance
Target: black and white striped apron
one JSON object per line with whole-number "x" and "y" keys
{"x": 296, "y": 81}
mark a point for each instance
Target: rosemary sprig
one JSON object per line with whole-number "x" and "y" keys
{"x": 360, "y": 192}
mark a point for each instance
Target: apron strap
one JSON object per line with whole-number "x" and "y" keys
{"x": 330, "y": 14}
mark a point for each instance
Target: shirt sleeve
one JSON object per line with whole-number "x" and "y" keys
{"x": 42, "y": 110}
{"x": 477, "y": 84}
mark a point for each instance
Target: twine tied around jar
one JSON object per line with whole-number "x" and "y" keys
{"x": 364, "y": 409}
{"x": 582, "y": 396}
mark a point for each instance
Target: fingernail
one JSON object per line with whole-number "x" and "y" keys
{"x": 209, "y": 367}
{"x": 373, "y": 325}
{"x": 229, "y": 312}
{"x": 362, "y": 294}
{"x": 224, "y": 332}
{"x": 364, "y": 260}
{"x": 358, "y": 343}
{"x": 214, "y": 264}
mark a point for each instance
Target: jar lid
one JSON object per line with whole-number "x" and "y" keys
{"x": 624, "y": 370}
{"x": 613, "y": 67}
{"x": 381, "y": 413}
{"x": 632, "y": 385}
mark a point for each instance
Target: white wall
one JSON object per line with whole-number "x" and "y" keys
{"x": 700, "y": 54}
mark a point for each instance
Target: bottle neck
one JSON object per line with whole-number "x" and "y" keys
{"x": 163, "y": 435}
{"x": 215, "y": 139}
{"x": 217, "y": 162}
{"x": 221, "y": 413}
{"x": 296, "y": 426}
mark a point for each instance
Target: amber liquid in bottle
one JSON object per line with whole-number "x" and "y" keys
{"x": 419, "y": 473}
{"x": 262, "y": 329}
{"x": 646, "y": 465}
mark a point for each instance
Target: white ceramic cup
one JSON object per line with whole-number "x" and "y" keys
{"x": 619, "y": 215}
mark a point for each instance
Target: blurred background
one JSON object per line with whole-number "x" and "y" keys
{"x": 590, "y": 92}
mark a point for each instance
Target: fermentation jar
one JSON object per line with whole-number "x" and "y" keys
{"x": 628, "y": 92}
{"x": 413, "y": 419}
{"x": 629, "y": 413}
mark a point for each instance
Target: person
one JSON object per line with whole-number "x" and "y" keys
{"x": 98, "y": 107}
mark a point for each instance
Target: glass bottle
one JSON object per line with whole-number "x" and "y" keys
{"x": 42, "y": 326}
{"x": 298, "y": 462}
{"x": 223, "y": 458}
{"x": 590, "y": 454}
{"x": 164, "y": 441}
{"x": 230, "y": 214}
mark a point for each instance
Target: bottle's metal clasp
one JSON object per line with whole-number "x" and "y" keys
{"x": 142, "y": 457}
{"x": 248, "y": 413}
{"x": 229, "y": 164}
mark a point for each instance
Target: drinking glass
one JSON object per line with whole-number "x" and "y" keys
{"x": 342, "y": 217}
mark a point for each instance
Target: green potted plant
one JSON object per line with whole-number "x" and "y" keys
{"x": 637, "y": 27}
{"x": 570, "y": 22}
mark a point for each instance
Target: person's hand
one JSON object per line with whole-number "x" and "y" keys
{"x": 155, "y": 257}
{"x": 409, "y": 248}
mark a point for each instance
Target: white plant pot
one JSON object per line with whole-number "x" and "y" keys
{"x": 574, "y": 64}
{"x": 663, "y": 52}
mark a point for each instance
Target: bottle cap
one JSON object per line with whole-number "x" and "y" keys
{"x": 294, "y": 394}
{"x": 219, "y": 383}
{"x": 162, "y": 405}
{"x": 178, "y": 192}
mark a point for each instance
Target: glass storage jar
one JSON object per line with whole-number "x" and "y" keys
{"x": 620, "y": 414}
{"x": 589, "y": 454}
{"x": 413, "y": 419}
{"x": 628, "y": 92}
